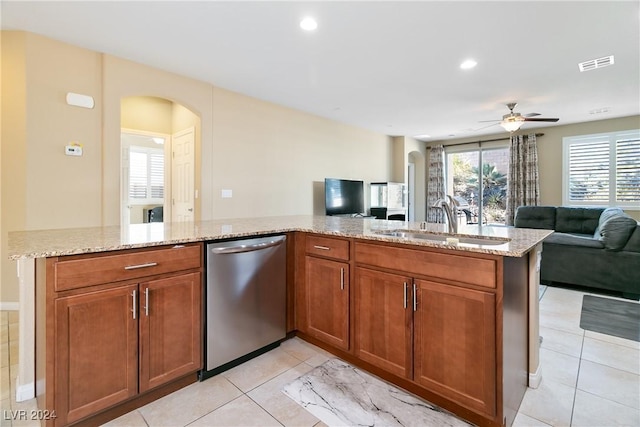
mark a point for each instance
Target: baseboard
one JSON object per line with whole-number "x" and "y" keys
{"x": 535, "y": 378}
{"x": 9, "y": 306}
{"x": 25, "y": 392}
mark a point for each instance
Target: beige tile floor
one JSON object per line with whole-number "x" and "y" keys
{"x": 589, "y": 379}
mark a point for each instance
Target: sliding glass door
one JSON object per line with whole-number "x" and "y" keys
{"x": 477, "y": 178}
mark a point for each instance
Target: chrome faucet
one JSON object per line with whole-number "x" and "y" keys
{"x": 449, "y": 208}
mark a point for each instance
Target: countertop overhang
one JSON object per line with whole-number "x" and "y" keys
{"x": 73, "y": 241}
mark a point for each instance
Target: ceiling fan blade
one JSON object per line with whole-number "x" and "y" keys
{"x": 488, "y": 121}
{"x": 541, "y": 119}
{"x": 488, "y": 126}
{"x": 531, "y": 115}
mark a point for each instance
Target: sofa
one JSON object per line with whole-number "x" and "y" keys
{"x": 591, "y": 247}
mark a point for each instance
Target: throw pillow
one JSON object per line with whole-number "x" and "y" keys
{"x": 616, "y": 230}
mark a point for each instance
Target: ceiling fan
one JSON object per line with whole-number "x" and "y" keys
{"x": 511, "y": 122}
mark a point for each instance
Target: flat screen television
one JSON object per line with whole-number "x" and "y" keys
{"x": 343, "y": 196}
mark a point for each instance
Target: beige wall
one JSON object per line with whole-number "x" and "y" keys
{"x": 273, "y": 158}
{"x": 550, "y": 152}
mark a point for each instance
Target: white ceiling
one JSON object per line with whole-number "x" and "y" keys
{"x": 391, "y": 67}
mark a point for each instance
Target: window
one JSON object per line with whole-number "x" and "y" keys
{"x": 478, "y": 179}
{"x": 146, "y": 175}
{"x": 602, "y": 169}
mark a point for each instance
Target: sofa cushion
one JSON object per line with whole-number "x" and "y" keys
{"x": 577, "y": 220}
{"x": 584, "y": 240}
{"x": 615, "y": 228}
{"x": 535, "y": 217}
{"x": 633, "y": 244}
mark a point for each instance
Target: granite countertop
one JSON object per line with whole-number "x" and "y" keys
{"x": 59, "y": 242}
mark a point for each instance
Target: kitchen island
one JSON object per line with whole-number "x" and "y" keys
{"x": 488, "y": 277}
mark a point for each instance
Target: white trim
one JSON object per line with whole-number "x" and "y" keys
{"x": 25, "y": 391}
{"x": 9, "y": 306}
{"x": 535, "y": 378}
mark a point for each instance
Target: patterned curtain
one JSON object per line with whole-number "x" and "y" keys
{"x": 435, "y": 184}
{"x": 523, "y": 188}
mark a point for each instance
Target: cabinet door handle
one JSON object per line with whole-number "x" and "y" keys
{"x": 342, "y": 279}
{"x": 415, "y": 297}
{"x": 322, "y": 248}
{"x": 405, "y": 295}
{"x": 135, "y": 267}
{"x": 135, "y": 303}
{"x": 146, "y": 302}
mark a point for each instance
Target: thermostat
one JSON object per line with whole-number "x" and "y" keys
{"x": 73, "y": 150}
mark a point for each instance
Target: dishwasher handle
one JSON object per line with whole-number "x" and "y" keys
{"x": 245, "y": 248}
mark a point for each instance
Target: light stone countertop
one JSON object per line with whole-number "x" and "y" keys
{"x": 59, "y": 242}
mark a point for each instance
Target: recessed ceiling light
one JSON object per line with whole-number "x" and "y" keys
{"x": 308, "y": 24}
{"x": 468, "y": 64}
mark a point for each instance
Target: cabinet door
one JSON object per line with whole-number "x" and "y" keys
{"x": 455, "y": 351}
{"x": 327, "y": 294}
{"x": 96, "y": 352}
{"x": 170, "y": 329}
{"x": 383, "y": 320}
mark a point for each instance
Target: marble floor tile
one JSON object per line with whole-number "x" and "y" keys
{"x": 257, "y": 371}
{"x": 559, "y": 367}
{"x": 561, "y": 341}
{"x": 614, "y": 355}
{"x": 568, "y": 321}
{"x": 341, "y": 395}
{"x": 610, "y": 383}
{"x": 132, "y": 419}
{"x": 281, "y": 407}
{"x": 308, "y": 353}
{"x": 559, "y": 300}
{"x": 190, "y": 403}
{"x": 523, "y": 420}
{"x": 594, "y": 411}
{"x": 551, "y": 403}
{"x": 613, "y": 340}
{"x": 239, "y": 412}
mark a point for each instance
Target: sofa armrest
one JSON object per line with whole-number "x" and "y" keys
{"x": 585, "y": 241}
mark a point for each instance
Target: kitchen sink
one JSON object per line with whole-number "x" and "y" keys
{"x": 444, "y": 238}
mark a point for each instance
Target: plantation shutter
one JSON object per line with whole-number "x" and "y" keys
{"x": 628, "y": 170}
{"x": 603, "y": 169}
{"x": 589, "y": 171}
{"x": 137, "y": 175}
{"x": 146, "y": 174}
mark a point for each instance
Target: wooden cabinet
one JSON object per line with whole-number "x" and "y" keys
{"x": 170, "y": 333}
{"x": 96, "y": 352}
{"x": 433, "y": 322}
{"x": 123, "y": 334}
{"x": 454, "y": 344}
{"x": 326, "y": 283}
{"x": 383, "y": 320}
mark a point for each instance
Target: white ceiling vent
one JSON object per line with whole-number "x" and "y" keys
{"x": 596, "y": 63}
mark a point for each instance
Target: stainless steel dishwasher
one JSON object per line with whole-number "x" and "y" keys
{"x": 245, "y": 300}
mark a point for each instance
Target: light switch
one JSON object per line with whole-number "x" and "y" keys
{"x": 227, "y": 194}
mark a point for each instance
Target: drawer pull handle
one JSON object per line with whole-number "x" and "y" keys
{"x": 322, "y": 248}
{"x": 135, "y": 267}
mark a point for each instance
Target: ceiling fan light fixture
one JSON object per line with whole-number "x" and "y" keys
{"x": 511, "y": 125}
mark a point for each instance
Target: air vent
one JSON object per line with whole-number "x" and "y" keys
{"x": 596, "y": 63}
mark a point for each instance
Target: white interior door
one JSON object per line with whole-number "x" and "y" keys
{"x": 183, "y": 176}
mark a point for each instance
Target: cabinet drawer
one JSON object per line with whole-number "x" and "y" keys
{"x": 460, "y": 268}
{"x": 328, "y": 247}
{"x": 94, "y": 270}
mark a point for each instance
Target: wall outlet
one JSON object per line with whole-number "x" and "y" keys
{"x": 73, "y": 150}
{"x": 227, "y": 194}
